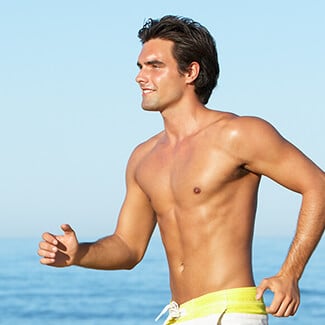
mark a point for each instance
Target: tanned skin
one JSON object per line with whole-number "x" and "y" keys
{"x": 198, "y": 181}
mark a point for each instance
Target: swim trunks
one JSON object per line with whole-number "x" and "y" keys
{"x": 236, "y": 306}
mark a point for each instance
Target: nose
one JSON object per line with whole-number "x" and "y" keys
{"x": 141, "y": 77}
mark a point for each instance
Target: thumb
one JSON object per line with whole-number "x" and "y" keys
{"x": 260, "y": 290}
{"x": 66, "y": 229}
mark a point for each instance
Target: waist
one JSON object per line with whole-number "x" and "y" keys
{"x": 186, "y": 286}
{"x": 236, "y": 300}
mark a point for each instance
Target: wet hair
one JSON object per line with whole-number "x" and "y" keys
{"x": 192, "y": 43}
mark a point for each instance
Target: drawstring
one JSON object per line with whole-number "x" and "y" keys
{"x": 173, "y": 309}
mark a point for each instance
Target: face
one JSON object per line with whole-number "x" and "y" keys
{"x": 161, "y": 83}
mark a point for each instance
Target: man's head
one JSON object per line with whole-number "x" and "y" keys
{"x": 192, "y": 43}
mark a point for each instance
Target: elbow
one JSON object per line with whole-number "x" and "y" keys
{"x": 132, "y": 254}
{"x": 130, "y": 266}
{"x": 133, "y": 262}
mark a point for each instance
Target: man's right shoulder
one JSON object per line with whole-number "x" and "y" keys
{"x": 142, "y": 149}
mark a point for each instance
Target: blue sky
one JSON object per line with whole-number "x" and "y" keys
{"x": 70, "y": 109}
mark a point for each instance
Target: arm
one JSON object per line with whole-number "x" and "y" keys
{"x": 122, "y": 250}
{"x": 265, "y": 152}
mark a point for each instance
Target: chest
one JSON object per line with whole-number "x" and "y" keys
{"x": 186, "y": 174}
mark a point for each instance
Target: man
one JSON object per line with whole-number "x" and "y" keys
{"x": 198, "y": 180}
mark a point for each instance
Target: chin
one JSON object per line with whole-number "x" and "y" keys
{"x": 147, "y": 109}
{"x": 150, "y": 108}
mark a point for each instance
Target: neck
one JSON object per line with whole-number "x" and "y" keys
{"x": 183, "y": 120}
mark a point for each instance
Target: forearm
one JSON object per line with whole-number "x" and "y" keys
{"x": 109, "y": 253}
{"x": 309, "y": 231}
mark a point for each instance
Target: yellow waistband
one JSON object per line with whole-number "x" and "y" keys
{"x": 237, "y": 300}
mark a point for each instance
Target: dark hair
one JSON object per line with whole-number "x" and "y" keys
{"x": 192, "y": 43}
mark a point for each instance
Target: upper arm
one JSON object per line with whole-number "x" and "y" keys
{"x": 137, "y": 219}
{"x": 264, "y": 151}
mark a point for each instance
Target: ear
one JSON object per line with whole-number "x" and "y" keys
{"x": 192, "y": 72}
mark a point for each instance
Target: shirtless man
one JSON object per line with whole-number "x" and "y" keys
{"x": 198, "y": 180}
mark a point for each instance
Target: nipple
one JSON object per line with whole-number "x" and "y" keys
{"x": 197, "y": 190}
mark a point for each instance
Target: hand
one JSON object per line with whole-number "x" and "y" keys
{"x": 286, "y": 295}
{"x": 59, "y": 251}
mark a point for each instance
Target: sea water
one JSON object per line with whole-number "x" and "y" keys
{"x": 31, "y": 293}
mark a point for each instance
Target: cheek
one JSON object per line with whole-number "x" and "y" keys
{"x": 168, "y": 81}
{"x": 160, "y": 77}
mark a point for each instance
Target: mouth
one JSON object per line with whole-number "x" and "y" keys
{"x": 146, "y": 91}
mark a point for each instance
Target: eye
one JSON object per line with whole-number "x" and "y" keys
{"x": 155, "y": 64}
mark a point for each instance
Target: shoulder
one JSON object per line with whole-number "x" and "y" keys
{"x": 249, "y": 138}
{"x": 245, "y": 125}
{"x": 248, "y": 129}
{"x": 142, "y": 150}
{"x": 233, "y": 122}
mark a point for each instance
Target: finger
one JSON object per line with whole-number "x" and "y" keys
{"x": 259, "y": 293}
{"x": 296, "y": 306}
{"x": 47, "y": 247}
{"x": 285, "y": 309}
{"x": 50, "y": 238}
{"x": 289, "y": 311}
{"x": 47, "y": 250}
{"x": 275, "y": 305}
{"x": 67, "y": 229}
{"x": 46, "y": 253}
{"x": 261, "y": 289}
{"x": 47, "y": 261}
{"x": 289, "y": 307}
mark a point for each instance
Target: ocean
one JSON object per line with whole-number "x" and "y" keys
{"x": 31, "y": 293}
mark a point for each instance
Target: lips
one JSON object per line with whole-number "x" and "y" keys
{"x": 147, "y": 91}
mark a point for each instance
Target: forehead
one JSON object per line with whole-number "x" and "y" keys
{"x": 156, "y": 49}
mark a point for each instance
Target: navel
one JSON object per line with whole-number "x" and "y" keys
{"x": 197, "y": 190}
{"x": 181, "y": 268}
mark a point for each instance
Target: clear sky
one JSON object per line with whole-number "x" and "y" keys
{"x": 70, "y": 111}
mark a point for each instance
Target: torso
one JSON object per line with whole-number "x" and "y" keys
{"x": 205, "y": 202}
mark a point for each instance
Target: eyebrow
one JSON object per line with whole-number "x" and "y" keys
{"x": 151, "y": 62}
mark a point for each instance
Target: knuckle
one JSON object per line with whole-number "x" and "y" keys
{"x": 281, "y": 295}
